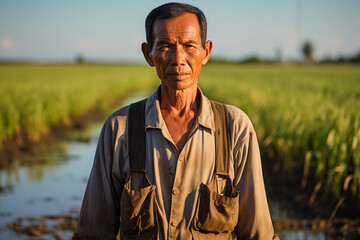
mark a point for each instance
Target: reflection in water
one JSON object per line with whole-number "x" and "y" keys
{"x": 39, "y": 165}
{"x": 9, "y": 177}
{"x": 56, "y": 184}
{"x": 52, "y": 187}
{"x": 277, "y": 211}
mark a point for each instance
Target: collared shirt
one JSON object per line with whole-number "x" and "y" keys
{"x": 176, "y": 175}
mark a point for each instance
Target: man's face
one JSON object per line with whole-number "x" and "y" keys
{"x": 177, "y": 52}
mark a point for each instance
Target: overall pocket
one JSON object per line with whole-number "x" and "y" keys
{"x": 138, "y": 213}
{"x": 217, "y": 213}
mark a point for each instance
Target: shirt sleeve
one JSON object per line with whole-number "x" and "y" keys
{"x": 99, "y": 215}
{"x": 254, "y": 220}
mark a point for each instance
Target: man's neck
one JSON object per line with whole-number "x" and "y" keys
{"x": 179, "y": 102}
{"x": 179, "y": 109}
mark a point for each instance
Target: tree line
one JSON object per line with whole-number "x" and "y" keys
{"x": 307, "y": 51}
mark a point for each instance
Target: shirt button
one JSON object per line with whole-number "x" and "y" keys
{"x": 181, "y": 157}
{"x": 174, "y": 223}
{"x": 175, "y": 192}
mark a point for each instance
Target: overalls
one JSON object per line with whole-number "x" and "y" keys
{"x": 218, "y": 206}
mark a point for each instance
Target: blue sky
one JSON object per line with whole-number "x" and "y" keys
{"x": 114, "y": 30}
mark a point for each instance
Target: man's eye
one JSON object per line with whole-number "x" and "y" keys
{"x": 189, "y": 46}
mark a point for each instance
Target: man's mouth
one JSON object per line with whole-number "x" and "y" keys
{"x": 177, "y": 74}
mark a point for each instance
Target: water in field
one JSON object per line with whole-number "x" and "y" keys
{"x": 278, "y": 212}
{"x": 53, "y": 189}
{"x": 57, "y": 184}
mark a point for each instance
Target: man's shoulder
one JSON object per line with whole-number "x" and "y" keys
{"x": 118, "y": 117}
{"x": 120, "y": 113}
{"x": 240, "y": 123}
{"x": 238, "y": 115}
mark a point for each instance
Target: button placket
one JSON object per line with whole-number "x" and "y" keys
{"x": 176, "y": 197}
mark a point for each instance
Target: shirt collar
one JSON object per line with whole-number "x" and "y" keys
{"x": 154, "y": 119}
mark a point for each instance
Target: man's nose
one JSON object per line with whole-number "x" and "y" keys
{"x": 178, "y": 56}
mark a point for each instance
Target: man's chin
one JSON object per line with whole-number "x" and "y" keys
{"x": 182, "y": 86}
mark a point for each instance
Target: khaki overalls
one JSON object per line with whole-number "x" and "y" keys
{"x": 218, "y": 204}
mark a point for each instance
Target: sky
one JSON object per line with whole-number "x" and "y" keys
{"x": 44, "y": 30}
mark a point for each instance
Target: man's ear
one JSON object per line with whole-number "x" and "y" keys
{"x": 145, "y": 48}
{"x": 208, "y": 48}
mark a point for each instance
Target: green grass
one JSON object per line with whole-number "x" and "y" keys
{"x": 36, "y": 97}
{"x": 307, "y": 117}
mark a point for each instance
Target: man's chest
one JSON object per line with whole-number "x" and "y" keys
{"x": 194, "y": 164}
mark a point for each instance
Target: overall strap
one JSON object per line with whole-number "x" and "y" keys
{"x": 137, "y": 136}
{"x": 222, "y": 142}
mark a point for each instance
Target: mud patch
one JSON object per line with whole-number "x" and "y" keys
{"x": 47, "y": 226}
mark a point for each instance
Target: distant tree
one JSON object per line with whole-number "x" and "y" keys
{"x": 251, "y": 59}
{"x": 219, "y": 60}
{"x": 308, "y": 51}
{"x": 79, "y": 59}
{"x": 355, "y": 58}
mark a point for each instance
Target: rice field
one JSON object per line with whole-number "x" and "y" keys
{"x": 307, "y": 117}
{"x": 36, "y": 97}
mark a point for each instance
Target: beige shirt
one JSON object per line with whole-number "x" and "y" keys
{"x": 176, "y": 175}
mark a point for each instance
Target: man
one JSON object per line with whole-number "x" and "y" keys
{"x": 180, "y": 189}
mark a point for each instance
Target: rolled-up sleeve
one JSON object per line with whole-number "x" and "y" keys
{"x": 99, "y": 215}
{"x": 254, "y": 217}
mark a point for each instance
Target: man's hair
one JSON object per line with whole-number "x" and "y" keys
{"x": 172, "y": 10}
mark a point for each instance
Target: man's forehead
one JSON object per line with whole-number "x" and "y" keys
{"x": 185, "y": 24}
{"x": 184, "y": 21}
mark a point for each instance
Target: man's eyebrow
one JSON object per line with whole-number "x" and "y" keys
{"x": 190, "y": 42}
{"x": 163, "y": 41}
{"x": 168, "y": 41}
